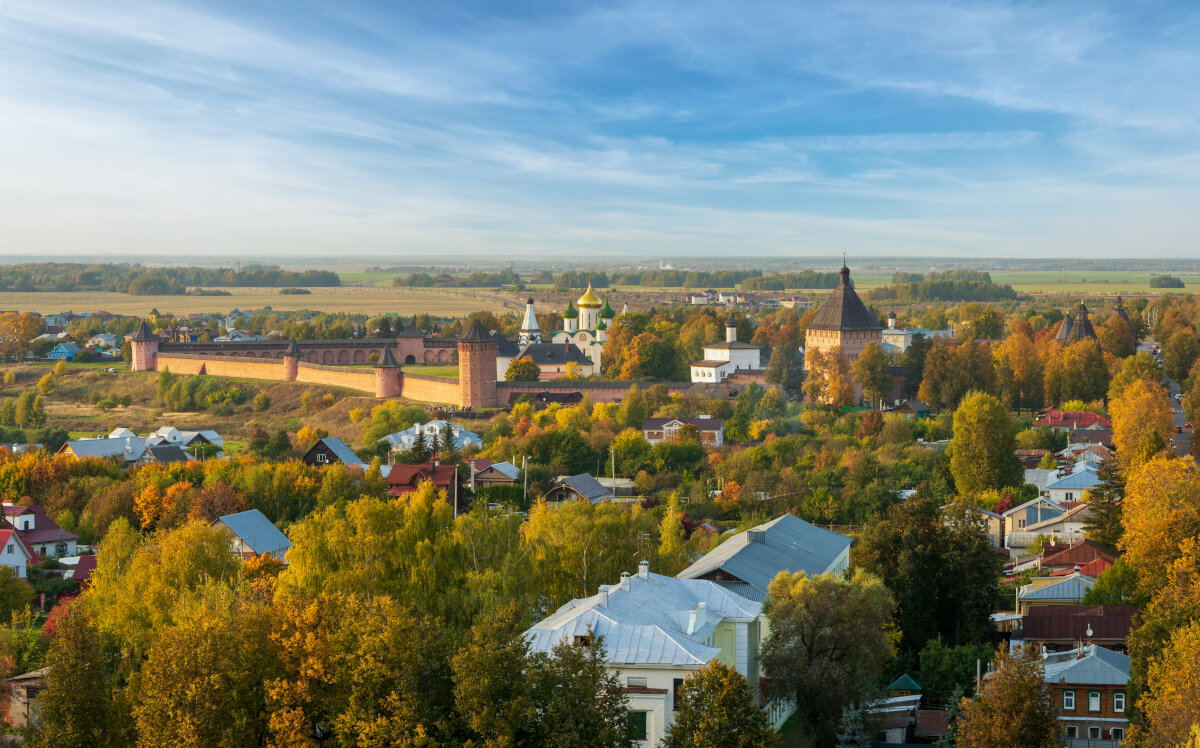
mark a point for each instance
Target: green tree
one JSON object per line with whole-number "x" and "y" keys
{"x": 522, "y": 370}
{"x": 827, "y": 643}
{"x": 491, "y": 692}
{"x": 1014, "y": 708}
{"x": 581, "y": 702}
{"x": 872, "y": 372}
{"x": 1116, "y": 585}
{"x": 672, "y": 548}
{"x": 715, "y": 708}
{"x": 947, "y": 670}
{"x": 785, "y": 369}
{"x": 15, "y": 594}
{"x": 260, "y": 402}
{"x": 940, "y": 567}
{"x": 1180, "y": 353}
{"x": 1103, "y": 523}
{"x": 853, "y": 732}
{"x": 982, "y": 454}
{"x": 76, "y": 705}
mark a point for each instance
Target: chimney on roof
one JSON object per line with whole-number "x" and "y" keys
{"x": 625, "y": 580}
{"x": 435, "y": 462}
{"x": 644, "y": 569}
{"x": 603, "y": 597}
{"x": 697, "y": 618}
{"x": 756, "y": 536}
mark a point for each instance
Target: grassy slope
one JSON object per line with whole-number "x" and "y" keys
{"x": 68, "y": 405}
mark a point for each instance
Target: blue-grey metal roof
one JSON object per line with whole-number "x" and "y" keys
{"x": 506, "y": 468}
{"x": 130, "y": 448}
{"x": 1071, "y": 588}
{"x": 785, "y": 543}
{"x": 645, "y": 620}
{"x": 1085, "y": 475}
{"x": 587, "y": 487}
{"x": 256, "y": 531}
{"x": 1091, "y": 666}
{"x": 343, "y": 452}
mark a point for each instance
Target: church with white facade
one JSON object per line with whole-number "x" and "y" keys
{"x": 722, "y": 360}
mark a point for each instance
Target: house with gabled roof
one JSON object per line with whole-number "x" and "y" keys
{"x": 1053, "y": 591}
{"x": 1062, "y": 627}
{"x": 1031, "y": 512}
{"x": 1077, "y": 553}
{"x": 1084, "y": 476}
{"x": 13, "y": 552}
{"x": 41, "y": 535}
{"x": 402, "y": 479}
{"x": 329, "y": 450}
{"x": 254, "y": 535}
{"x": 1089, "y": 686}
{"x": 656, "y": 631}
{"x": 128, "y": 449}
{"x": 1066, "y": 420}
{"x": 1068, "y": 527}
{"x": 582, "y": 486}
{"x": 712, "y": 430}
{"x": 747, "y": 562}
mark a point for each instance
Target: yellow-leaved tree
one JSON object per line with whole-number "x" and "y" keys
{"x": 829, "y": 380}
{"x": 1161, "y": 510}
{"x": 1141, "y": 416}
{"x": 1171, "y": 704}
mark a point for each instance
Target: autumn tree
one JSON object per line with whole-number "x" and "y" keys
{"x": 872, "y": 373}
{"x": 1076, "y": 372}
{"x": 1142, "y": 410}
{"x": 1180, "y": 353}
{"x": 827, "y": 643}
{"x": 982, "y": 454}
{"x": 16, "y": 330}
{"x": 1116, "y": 337}
{"x": 1019, "y": 374}
{"x": 1138, "y": 366}
{"x": 828, "y": 379}
{"x": 1161, "y": 509}
{"x": 952, "y": 369}
{"x": 715, "y": 708}
{"x": 76, "y": 704}
{"x": 522, "y": 370}
{"x": 1171, "y": 703}
{"x": 1014, "y": 707}
{"x": 491, "y": 692}
{"x": 785, "y": 368}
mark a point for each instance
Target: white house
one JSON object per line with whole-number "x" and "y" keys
{"x": 724, "y": 359}
{"x": 1070, "y": 487}
{"x": 405, "y": 440}
{"x": 712, "y": 430}
{"x": 656, "y": 631}
{"x": 1067, "y": 527}
{"x": 40, "y": 534}
{"x": 13, "y": 552}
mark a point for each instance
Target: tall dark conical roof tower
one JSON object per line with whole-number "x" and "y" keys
{"x": 844, "y": 310}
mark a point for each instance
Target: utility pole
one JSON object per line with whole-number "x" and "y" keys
{"x": 525, "y": 475}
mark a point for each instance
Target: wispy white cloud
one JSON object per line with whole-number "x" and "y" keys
{"x": 648, "y": 127}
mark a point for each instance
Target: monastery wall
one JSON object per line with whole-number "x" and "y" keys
{"x": 337, "y": 376}
{"x": 599, "y": 392}
{"x": 429, "y": 389}
{"x": 225, "y": 366}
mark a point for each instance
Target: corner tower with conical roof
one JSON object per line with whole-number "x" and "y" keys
{"x": 477, "y": 368}
{"x": 843, "y": 322}
{"x": 144, "y": 349}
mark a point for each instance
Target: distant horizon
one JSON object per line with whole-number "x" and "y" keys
{"x": 704, "y": 130}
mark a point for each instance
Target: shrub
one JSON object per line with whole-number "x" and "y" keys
{"x": 260, "y": 402}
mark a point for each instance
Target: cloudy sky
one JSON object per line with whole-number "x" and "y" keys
{"x": 290, "y": 128}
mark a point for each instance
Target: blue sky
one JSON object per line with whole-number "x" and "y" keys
{"x": 699, "y": 128}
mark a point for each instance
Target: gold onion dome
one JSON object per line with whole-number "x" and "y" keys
{"x": 589, "y": 300}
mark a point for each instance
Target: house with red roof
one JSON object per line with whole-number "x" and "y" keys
{"x": 1081, "y": 553}
{"x": 13, "y": 552}
{"x": 41, "y": 534}
{"x": 1066, "y": 420}
{"x": 402, "y": 479}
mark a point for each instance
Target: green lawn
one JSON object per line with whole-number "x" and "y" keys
{"x": 448, "y": 371}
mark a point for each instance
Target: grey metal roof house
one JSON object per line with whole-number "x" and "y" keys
{"x": 582, "y": 486}
{"x": 747, "y": 562}
{"x": 1092, "y": 665}
{"x": 332, "y": 449}
{"x": 254, "y": 534}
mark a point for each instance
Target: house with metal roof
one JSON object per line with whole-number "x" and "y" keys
{"x": 582, "y": 486}
{"x": 254, "y": 534}
{"x": 1031, "y": 512}
{"x": 747, "y": 562}
{"x": 1089, "y": 687}
{"x": 128, "y": 449}
{"x": 329, "y": 450}
{"x": 657, "y": 630}
{"x": 724, "y": 359}
{"x": 1053, "y": 591}
{"x": 1084, "y": 476}
{"x": 433, "y": 432}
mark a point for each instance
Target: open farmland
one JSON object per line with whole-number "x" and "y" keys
{"x": 353, "y": 299}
